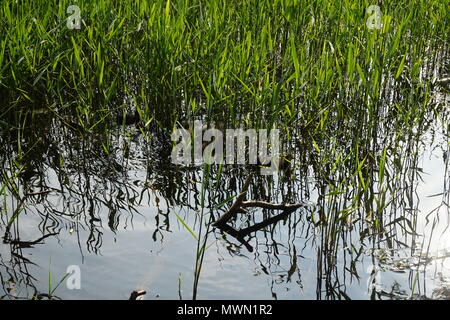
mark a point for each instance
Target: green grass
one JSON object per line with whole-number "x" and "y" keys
{"x": 253, "y": 61}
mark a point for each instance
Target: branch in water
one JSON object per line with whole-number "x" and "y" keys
{"x": 239, "y": 207}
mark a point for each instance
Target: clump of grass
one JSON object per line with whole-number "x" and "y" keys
{"x": 254, "y": 61}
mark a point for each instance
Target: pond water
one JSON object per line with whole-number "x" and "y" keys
{"x": 129, "y": 219}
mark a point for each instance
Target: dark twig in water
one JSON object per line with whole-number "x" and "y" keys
{"x": 136, "y": 294}
{"x": 236, "y": 206}
{"x": 240, "y": 234}
{"x": 239, "y": 207}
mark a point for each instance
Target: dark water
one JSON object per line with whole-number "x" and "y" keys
{"x": 114, "y": 214}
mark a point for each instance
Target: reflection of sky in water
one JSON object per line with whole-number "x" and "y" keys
{"x": 427, "y": 265}
{"x": 430, "y": 191}
{"x": 431, "y": 203}
{"x": 131, "y": 259}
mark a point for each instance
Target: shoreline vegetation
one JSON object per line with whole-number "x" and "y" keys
{"x": 261, "y": 63}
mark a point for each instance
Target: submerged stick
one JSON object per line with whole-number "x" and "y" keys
{"x": 236, "y": 206}
{"x": 136, "y": 294}
{"x": 241, "y": 234}
{"x": 236, "y": 234}
{"x": 239, "y": 206}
